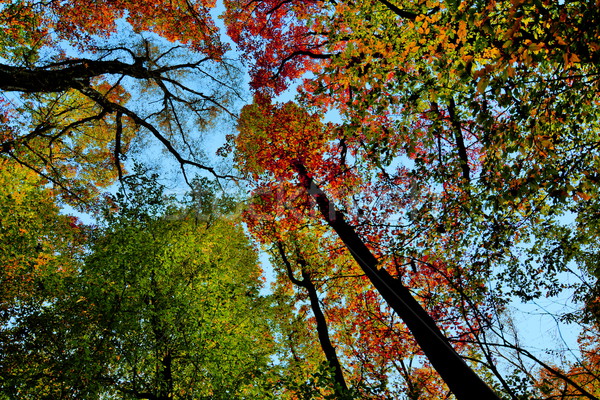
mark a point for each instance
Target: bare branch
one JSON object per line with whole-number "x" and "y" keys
{"x": 118, "y": 134}
{"x": 104, "y": 102}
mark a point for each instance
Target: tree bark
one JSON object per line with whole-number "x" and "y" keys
{"x": 72, "y": 74}
{"x": 65, "y": 76}
{"x": 340, "y": 388}
{"x": 460, "y": 142}
{"x": 460, "y": 378}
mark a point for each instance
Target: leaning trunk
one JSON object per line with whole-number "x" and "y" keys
{"x": 460, "y": 378}
{"x": 340, "y": 388}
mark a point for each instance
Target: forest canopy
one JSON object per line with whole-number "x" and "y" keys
{"x": 436, "y": 170}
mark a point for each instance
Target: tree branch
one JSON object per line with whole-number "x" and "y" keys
{"x": 460, "y": 378}
{"x": 460, "y": 143}
{"x": 118, "y": 134}
{"x": 399, "y": 12}
{"x": 104, "y": 102}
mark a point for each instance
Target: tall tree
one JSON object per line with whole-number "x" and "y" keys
{"x": 301, "y": 143}
{"x": 162, "y": 308}
{"x": 373, "y": 348}
{"x": 340, "y": 386}
{"x": 475, "y": 120}
{"x": 41, "y": 253}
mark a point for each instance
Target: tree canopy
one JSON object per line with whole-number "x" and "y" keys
{"x": 438, "y": 165}
{"x": 67, "y": 73}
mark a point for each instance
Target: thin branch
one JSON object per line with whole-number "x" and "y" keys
{"x": 118, "y": 134}
{"x": 300, "y": 53}
{"x": 48, "y": 177}
{"x": 104, "y": 102}
{"x": 547, "y": 367}
{"x": 288, "y": 266}
{"x": 399, "y": 12}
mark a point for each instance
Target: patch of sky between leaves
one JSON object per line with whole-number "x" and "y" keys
{"x": 536, "y": 324}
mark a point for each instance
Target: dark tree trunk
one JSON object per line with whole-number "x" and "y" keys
{"x": 460, "y": 142}
{"x": 340, "y": 388}
{"x": 67, "y": 75}
{"x": 460, "y": 378}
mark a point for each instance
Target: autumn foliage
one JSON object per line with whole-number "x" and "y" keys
{"x": 438, "y": 165}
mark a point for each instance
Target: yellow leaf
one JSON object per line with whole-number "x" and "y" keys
{"x": 462, "y": 30}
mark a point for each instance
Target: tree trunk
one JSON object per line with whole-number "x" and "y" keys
{"x": 460, "y": 378}
{"x": 340, "y": 388}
